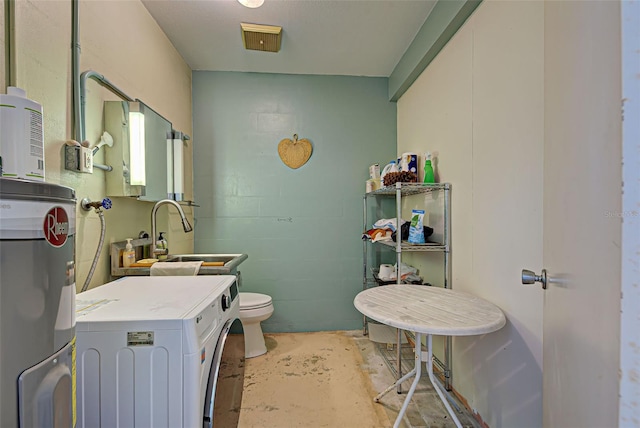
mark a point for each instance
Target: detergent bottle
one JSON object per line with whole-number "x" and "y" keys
{"x": 391, "y": 167}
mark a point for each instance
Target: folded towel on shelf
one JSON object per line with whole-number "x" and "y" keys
{"x": 175, "y": 268}
{"x": 405, "y": 272}
{"x": 387, "y": 223}
{"x": 377, "y": 235}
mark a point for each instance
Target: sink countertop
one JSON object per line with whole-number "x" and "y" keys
{"x": 145, "y": 271}
{"x": 118, "y": 271}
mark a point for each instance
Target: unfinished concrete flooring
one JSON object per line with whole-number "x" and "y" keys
{"x": 329, "y": 379}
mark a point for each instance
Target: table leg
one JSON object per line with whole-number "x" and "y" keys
{"x": 399, "y": 358}
{"x": 417, "y": 371}
{"x": 435, "y": 383}
{"x": 395, "y": 384}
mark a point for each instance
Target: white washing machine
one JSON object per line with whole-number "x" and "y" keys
{"x": 150, "y": 351}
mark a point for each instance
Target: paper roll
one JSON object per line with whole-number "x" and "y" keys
{"x": 386, "y": 271}
{"x": 409, "y": 162}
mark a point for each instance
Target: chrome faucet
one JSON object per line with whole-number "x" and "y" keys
{"x": 185, "y": 224}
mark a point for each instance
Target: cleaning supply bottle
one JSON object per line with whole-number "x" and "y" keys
{"x": 161, "y": 244}
{"x": 391, "y": 167}
{"x": 428, "y": 169}
{"x": 128, "y": 256}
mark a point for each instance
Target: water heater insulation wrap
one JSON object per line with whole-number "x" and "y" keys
{"x": 21, "y": 136}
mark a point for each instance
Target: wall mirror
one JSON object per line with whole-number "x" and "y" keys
{"x": 139, "y": 154}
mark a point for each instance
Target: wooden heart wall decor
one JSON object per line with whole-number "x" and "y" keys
{"x": 294, "y": 153}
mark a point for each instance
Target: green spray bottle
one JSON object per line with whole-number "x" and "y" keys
{"x": 428, "y": 169}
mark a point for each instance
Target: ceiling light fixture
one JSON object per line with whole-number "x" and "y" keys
{"x": 251, "y": 3}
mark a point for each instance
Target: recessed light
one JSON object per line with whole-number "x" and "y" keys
{"x": 251, "y": 3}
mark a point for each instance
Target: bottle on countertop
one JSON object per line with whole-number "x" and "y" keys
{"x": 162, "y": 244}
{"x": 128, "y": 256}
{"x": 428, "y": 169}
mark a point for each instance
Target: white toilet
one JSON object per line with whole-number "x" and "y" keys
{"x": 254, "y": 308}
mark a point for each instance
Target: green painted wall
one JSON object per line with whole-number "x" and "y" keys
{"x": 301, "y": 228}
{"x": 442, "y": 23}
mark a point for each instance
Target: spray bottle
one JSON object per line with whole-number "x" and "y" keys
{"x": 428, "y": 169}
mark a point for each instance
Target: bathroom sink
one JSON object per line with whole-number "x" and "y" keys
{"x": 212, "y": 264}
{"x": 207, "y": 258}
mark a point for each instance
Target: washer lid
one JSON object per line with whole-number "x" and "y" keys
{"x": 149, "y": 299}
{"x": 254, "y": 300}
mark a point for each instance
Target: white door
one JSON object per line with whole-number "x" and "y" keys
{"x": 582, "y": 209}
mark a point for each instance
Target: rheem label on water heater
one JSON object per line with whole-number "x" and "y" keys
{"x": 138, "y": 338}
{"x": 56, "y": 226}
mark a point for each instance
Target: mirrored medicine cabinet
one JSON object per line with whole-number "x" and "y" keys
{"x": 144, "y": 155}
{"x": 140, "y": 156}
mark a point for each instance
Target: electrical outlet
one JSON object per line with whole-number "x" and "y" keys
{"x": 86, "y": 160}
{"x": 78, "y": 159}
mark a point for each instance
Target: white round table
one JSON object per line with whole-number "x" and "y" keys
{"x": 428, "y": 310}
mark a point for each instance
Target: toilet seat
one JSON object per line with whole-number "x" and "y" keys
{"x": 254, "y": 301}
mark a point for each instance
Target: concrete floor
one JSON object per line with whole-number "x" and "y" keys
{"x": 329, "y": 379}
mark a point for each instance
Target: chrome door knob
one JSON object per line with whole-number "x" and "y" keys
{"x": 529, "y": 277}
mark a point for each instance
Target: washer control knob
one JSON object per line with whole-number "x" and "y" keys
{"x": 225, "y": 302}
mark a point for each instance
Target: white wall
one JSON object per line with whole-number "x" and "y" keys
{"x": 480, "y": 106}
{"x": 121, "y": 41}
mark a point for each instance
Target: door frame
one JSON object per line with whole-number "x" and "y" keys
{"x": 630, "y": 215}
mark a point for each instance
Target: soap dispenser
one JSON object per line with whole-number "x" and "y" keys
{"x": 128, "y": 256}
{"x": 161, "y": 244}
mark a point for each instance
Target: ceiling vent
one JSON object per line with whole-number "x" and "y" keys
{"x": 258, "y": 37}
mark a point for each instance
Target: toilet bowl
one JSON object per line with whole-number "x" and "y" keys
{"x": 254, "y": 308}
